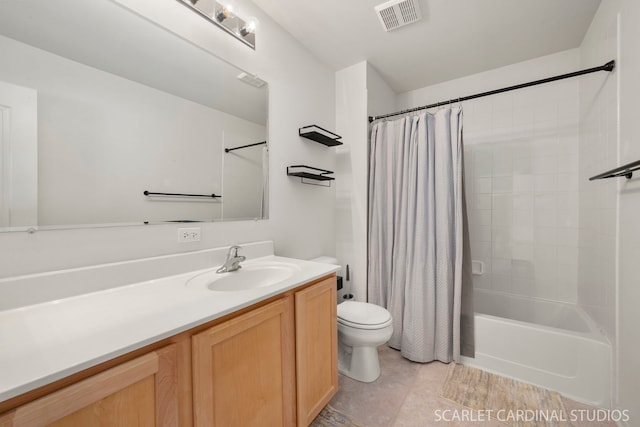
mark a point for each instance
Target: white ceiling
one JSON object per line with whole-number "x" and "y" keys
{"x": 455, "y": 38}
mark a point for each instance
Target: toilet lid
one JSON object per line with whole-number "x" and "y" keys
{"x": 362, "y": 314}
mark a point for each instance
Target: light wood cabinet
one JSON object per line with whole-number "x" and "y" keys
{"x": 141, "y": 392}
{"x": 316, "y": 348}
{"x": 272, "y": 364}
{"x": 242, "y": 370}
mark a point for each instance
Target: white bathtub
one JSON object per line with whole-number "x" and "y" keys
{"x": 549, "y": 344}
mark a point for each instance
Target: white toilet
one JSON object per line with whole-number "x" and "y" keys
{"x": 362, "y": 327}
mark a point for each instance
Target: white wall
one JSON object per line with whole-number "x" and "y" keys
{"x": 360, "y": 92}
{"x": 598, "y": 153}
{"x": 351, "y": 177}
{"x": 381, "y": 99}
{"x": 628, "y": 208}
{"x": 611, "y": 140}
{"x": 521, "y": 171}
{"x": 301, "y": 92}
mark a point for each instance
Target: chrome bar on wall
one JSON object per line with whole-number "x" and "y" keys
{"x": 226, "y": 150}
{"x": 624, "y": 170}
{"x": 149, "y": 193}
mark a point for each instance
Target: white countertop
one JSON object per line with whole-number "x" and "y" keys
{"x": 44, "y": 342}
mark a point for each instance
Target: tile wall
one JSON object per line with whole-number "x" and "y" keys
{"x": 521, "y": 165}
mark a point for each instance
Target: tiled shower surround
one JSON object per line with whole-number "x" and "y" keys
{"x": 521, "y": 170}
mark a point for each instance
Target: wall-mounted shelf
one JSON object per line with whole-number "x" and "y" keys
{"x": 308, "y": 172}
{"x": 321, "y": 135}
{"x": 624, "y": 170}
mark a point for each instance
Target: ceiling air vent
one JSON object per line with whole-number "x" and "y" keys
{"x": 398, "y": 13}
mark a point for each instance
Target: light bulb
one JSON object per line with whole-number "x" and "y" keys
{"x": 225, "y": 11}
{"x": 249, "y": 27}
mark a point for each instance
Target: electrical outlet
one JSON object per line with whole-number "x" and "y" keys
{"x": 191, "y": 234}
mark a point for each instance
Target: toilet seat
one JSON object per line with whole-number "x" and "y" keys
{"x": 364, "y": 326}
{"x": 362, "y": 315}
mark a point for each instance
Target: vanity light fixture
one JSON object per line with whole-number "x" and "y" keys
{"x": 223, "y": 15}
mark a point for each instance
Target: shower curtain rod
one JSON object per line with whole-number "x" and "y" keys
{"x": 609, "y": 66}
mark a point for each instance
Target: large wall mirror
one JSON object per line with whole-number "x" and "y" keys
{"x": 99, "y": 105}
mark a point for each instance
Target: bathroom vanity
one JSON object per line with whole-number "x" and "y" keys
{"x": 172, "y": 351}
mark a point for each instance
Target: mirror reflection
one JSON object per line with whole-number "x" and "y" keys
{"x": 99, "y": 105}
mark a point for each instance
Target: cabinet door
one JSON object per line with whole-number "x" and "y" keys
{"x": 316, "y": 348}
{"x": 243, "y": 370}
{"x": 141, "y": 392}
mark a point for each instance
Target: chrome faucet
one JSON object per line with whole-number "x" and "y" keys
{"x": 232, "y": 263}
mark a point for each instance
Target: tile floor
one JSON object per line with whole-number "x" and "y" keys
{"x": 407, "y": 394}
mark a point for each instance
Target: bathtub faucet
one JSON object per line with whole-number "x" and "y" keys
{"x": 232, "y": 263}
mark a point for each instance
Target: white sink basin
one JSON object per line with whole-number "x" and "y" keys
{"x": 250, "y": 276}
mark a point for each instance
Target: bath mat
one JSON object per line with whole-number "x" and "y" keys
{"x": 512, "y": 402}
{"x": 330, "y": 417}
